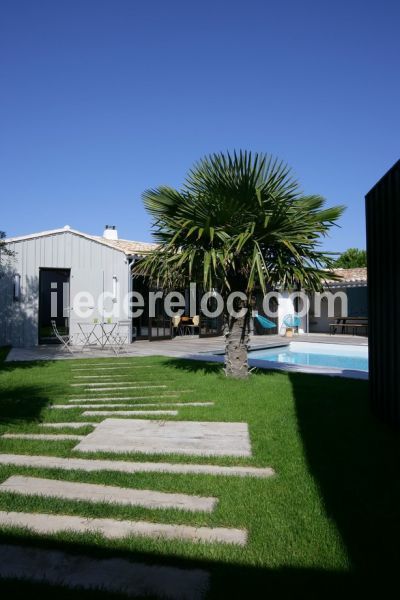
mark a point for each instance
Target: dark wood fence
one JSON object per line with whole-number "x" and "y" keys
{"x": 383, "y": 248}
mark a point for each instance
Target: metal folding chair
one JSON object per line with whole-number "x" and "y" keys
{"x": 121, "y": 336}
{"x": 66, "y": 340}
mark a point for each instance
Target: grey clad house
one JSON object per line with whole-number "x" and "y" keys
{"x": 50, "y": 269}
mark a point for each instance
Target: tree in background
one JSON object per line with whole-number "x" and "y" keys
{"x": 240, "y": 222}
{"x": 4, "y": 251}
{"x": 353, "y": 258}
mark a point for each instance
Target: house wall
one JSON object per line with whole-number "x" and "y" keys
{"x": 286, "y": 306}
{"x": 356, "y": 307}
{"x": 92, "y": 265}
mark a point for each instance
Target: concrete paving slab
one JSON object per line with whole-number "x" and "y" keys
{"x": 180, "y": 437}
{"x": 75, "y": 405}
{"x": 51, "y": 437}
{"x": 126, "y": 387}
{"x": 109, "y": 383}
{"x": 117, "y": 362}
{"x": 110, "y": 368}
{"x": 111, "y": 376}
{"x": 88, "y": 400}
{"x": 124, "y": 466}
{"x": 91, "y": 492}
{"x": 100, "y": 413}
{"x": 121, "y": 398}
{"x": 115, "y": 529}
{"x": 113, "y": 575}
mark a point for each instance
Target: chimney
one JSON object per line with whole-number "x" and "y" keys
{"x": 110, "y": 232}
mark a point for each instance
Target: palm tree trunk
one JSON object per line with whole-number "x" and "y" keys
{"x": 236, "y": 347}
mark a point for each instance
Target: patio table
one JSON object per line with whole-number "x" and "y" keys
{"x": 349, "y": 323}
{"x": 89, "y": 331}
{"x": 98, "y": 334}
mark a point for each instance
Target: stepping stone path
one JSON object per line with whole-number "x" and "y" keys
{"x": 91, "y": 492}
{"x": 122, "y": 466}
{"x": 113, "y": 575}
{"x": 122, "y": 435}
{"x": 155, "y": 437}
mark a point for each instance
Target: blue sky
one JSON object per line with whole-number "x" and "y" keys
{"x": 101, "y": 99}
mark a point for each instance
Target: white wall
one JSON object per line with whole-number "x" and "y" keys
{"x": 286, "y": 307}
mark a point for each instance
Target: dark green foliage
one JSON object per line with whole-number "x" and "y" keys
{"x": 353, "y": 258}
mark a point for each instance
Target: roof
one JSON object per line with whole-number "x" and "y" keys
{"x": 126, "y": 246}
{"x": 349, "y": 277}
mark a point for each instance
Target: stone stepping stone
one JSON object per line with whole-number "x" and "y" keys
{"x": 115, "y": 529}
{"x": 74, "y": 425}
{"x": 98, "y": 376}
{"x": 121, "y": 466}
{"x": 68, "y": 406}
{"x": 161, "y": 437}
{"x": 95, "y": 493}
{"x": 137, "y": 403}
{"x": 113, "y": 364}
{"x": 51, "y": 437}
{"x": 112, "y": 575}
{"x": 106, "y": 398}
{"x": 97, "y": 413}
{"x": 113, "y": 405}
{"x": 88, "y": 384}
{"x": 129, "y": 387}
{"x": 110, "y": 368}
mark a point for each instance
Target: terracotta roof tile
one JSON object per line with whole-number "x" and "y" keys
{"x": 349, "y": 276}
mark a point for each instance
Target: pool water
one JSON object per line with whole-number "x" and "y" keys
{"x": 339, "y": 356}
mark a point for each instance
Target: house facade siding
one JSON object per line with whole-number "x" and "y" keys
{"x": 92, "y": 267}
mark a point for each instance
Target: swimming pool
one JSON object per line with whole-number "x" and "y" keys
{"x": 338, "y": 356}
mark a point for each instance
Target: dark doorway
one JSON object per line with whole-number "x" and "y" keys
{"x": 141, "y": 323}
{"x": 53, "y": 303}
{"x": 211, "y": 326}
{"x": 158, "y": 327}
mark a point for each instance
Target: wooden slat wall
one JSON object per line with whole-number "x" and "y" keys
{"x": 383, "y": 247}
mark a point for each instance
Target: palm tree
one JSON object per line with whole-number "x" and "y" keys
{"x": 240, "y": 222}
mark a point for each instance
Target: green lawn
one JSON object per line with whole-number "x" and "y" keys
{"x": 330, "y": 516}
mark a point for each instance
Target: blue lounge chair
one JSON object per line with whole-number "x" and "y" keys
{"x": 291, "y": 322}
{"x": 265, "y": 323}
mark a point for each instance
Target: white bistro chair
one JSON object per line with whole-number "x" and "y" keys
{"x": 122, "y": 336}
{"x": 66, "y": 340}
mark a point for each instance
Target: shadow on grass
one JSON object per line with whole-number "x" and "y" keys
{"x": 193, "y": 366}
{"x": 226, "y": 580}
{"x": 355, "y": 460}
{"x": 22, "y": 403}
